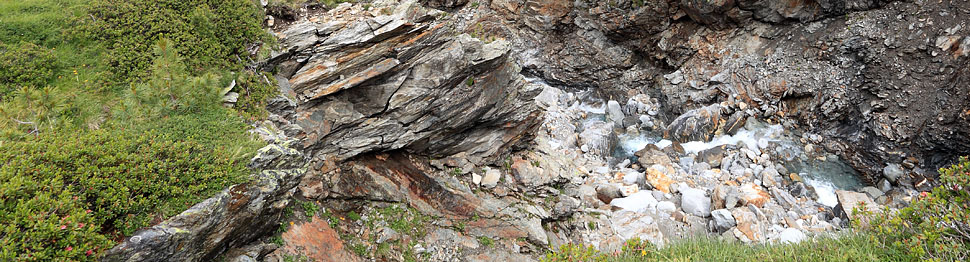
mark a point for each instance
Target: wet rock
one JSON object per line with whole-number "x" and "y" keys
{"x": 695, "y": 202}
{"x": 614, "y": 112}
{"x": 799, "y": 189}
{"x": 892, "y": 172}
{"x": 722, "y": 220}
{"x": 598, "y": 138}
{"x": 696, "y": 125}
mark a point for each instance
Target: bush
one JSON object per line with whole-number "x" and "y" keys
{"x": 208, "y": 33}
{"x": 65, "y": 195}
{"x": 253, "y": 94}
{"x": 24, "y": 65}
{"x": 936, "y": 226}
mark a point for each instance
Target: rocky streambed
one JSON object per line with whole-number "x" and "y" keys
{"x": 498, "y": 130}
{"x": 749, "y": 180}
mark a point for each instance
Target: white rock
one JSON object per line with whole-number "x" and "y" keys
{"x": 695, "y": 202}
{"x": 476, "y": 178}
{"x": 642, "y": 201}
{"x": 491, "y": 177}
{"x": 790, "y": 236}
{"x": 666, "y": 206}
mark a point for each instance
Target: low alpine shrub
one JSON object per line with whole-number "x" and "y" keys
{"x": 24, "y": 65}
{"x": 936, "y": 226}
{"x": 66, "y": 195}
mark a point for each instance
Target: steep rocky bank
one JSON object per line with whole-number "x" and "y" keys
{"x": 495, "y": 130}
{"x": 881, "y": 81}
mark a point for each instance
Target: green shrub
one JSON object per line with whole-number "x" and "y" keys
{"x": 254, "y": 91}
{"x": 208, "y": 33}
{"x": 24, "y": 65}
{"x": 170, "y": 90}
{"x": 64, "y": 193}
{"x": 936, "y": 226}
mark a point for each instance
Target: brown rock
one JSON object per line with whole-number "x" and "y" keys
{"x": 754, "y": 194}
{"x": 658, "y": 180}
{"x": 317, "y": 241}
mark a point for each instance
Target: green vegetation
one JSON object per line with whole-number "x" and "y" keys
{"x": 208, "y": 33}
{"x": 353, "y": 216}
{"x": 309, "y": 208}
{"x": 111, "y": 117}
{"x": 486, "y": 241}
{"x": 936, "y": 226}
{"x": 850, "y": 247}
{"x": 24, "y": 65}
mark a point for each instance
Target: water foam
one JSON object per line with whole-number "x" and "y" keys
{"x": 825, "y": 191}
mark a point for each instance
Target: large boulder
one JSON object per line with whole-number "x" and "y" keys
{"x": 695, "y": 202}
{"x": 598, "y": 138}
{"x": 703, "y": 124}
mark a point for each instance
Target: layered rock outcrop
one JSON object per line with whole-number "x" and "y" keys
{"x": 402, "y": 82}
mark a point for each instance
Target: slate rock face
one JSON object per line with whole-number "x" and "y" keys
{"x": 398, "y": 82}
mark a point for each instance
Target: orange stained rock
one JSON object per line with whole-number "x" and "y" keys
{"x": 754, "y": 194}
{"x": 658, "y": 180}
{"x": 317, "y": 241}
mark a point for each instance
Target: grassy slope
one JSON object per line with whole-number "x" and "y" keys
{"x": 54, "y": 208}
{"x": 846, "y": 247}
